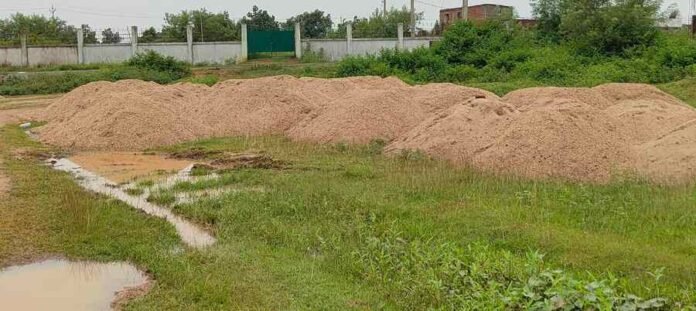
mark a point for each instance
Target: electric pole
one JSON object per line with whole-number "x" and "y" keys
{"x": 465, "y": 10}
{"x": 385, "y": 7}
{"x": 413, "y": 18}
{"x": 53, "y": 12}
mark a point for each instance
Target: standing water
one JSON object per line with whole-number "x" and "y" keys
{"x": 188, "y": 232}
{"x": 63, "y": 285}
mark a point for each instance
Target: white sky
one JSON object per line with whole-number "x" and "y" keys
{"x": 120, "y": 14}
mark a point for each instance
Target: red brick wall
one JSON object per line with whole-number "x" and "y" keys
{"x": 476, "y": 13}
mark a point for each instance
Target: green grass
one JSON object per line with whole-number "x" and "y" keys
{"x": 134, "y": 191}
{"x": 347, "y": 228}
{"x": 65, "y": 67}
{"x": 347, "y": 196}
{"x": 683, "y": 89}
{"x": 47, "y": 215}
{"x": 163, "y": 198}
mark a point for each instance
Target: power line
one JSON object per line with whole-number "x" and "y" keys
{"x": 90, "y": 12}
{"x": 430, "y": 4}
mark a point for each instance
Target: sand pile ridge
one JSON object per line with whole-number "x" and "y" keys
{"x": 583, "y": 134}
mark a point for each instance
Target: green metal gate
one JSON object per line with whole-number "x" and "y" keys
{"x": 271, "y": 41}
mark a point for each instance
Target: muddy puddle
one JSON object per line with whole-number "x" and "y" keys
{"x": 189, "y": 233}
{"x": 64, "y": 285}
{"x": 121, "y": 167}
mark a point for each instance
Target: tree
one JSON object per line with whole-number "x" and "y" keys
{"x": 89, "y": 35}
{"x": 379, "y": 24}
{"x": 314, "y": 24}
{"x": 548, "y": 15}
{"x": 610, "y": 27}
{"x": 259, "y": 19}
{"x": 149, "y": 35}
{"x": 39, "y": 29}
{"x": 109, "y": 36}
{"x": 207, "y": 26}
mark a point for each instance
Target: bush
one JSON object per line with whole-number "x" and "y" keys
{"x": 426, "y": 275}
{"x": 148, "y": 66}
{"x": 151, "y": 60}
{"x": 470, "y": 44}
{"x": 491, "y": 53}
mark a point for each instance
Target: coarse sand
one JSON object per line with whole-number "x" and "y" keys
{"x": 580, "y": 134}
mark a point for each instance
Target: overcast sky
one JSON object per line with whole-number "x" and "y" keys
{"x": 121, "y": 13}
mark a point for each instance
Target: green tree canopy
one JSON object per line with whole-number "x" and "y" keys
{"x": 599, "y": 26}
{"x": 40, "y": 29}
{"x": 150, "y": 35}
{"x": 379, "y": 24}
{"x": 314, "y": 24}
{"x": 207, "y": 26}
{"x": 109, "y": 36}
{"x": 259, "y": 19}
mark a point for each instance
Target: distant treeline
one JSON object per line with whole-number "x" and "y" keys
{"x": 208, "y": 26}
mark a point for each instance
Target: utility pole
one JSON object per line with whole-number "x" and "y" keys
{"x": 693, "y": 25}
{"x": 53, "y": 12}
{"x": 202, "y": 27}
{"x": 385, "y": 7}
{"x": 465, "y": 10}
{"x": 413, "y": 18}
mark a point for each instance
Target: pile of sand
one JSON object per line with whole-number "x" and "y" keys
{"x": 586, "y": 134}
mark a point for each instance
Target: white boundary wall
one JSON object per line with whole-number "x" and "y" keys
{"x": 338, "y": 49}
{"x": 194, "y": 52}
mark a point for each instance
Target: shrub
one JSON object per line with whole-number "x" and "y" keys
{"x": 356, "y": 66}
{"x": 551, "y": 65}
{"x": 208, "y": 80}
{"x": 476, "y": 45}
{"x": 426, "y": 275}
{"x": 151, "y": 60}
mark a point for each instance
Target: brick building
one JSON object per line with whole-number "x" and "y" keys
{"x": 479, "y": 12}
{"x": 482, "y": 12}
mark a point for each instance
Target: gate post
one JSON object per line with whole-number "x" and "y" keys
{"x": 189, "y": 43}
{"x": 400, "y": 35}
{"x": 244, "y": 53}
{"x": 25, "y": 50}
{"x": 298, "y": 41}
{"x": 134, "y": 40}
{"x": 349, "y": 38}
{"x": 80, "y": 46}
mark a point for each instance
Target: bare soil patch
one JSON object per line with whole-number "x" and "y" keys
{"x": 584, "y": 134}
{"x": 120, "y": 167}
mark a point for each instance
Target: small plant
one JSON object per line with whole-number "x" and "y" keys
{"x": 376, "y": 146}
{"x": 309, "y": 56}
{"x": 134, "y": 191}
{"x": 151, "y": 60}
{"x": 359, "y": 171}
{"x": 164, "y": 198}
{"x": 208, "y": 80}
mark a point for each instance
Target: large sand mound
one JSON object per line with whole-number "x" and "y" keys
{"x": 585, "y": 134}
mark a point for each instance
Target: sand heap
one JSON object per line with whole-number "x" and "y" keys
{"x": 586, "y": 134}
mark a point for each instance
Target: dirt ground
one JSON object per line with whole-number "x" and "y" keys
{"x": 121, "y": 167}
{"x": 580, "y": 134}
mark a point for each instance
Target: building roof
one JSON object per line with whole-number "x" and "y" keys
{"x": 478, "y": 5}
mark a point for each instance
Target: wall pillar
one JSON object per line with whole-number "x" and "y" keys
{"x": 189, "y": 43}
{"x": 134, "y": 40}
{"x": 349, "y": 38}
{"x": 298, "y": 41}
{"x": 25, "y": 50}
{"x": 244, "y": 54}
{"x": 80, "y": 46}
{"x": 400, "y": 34}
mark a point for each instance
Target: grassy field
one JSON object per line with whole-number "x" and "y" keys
{"x": 344, "y": 227}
